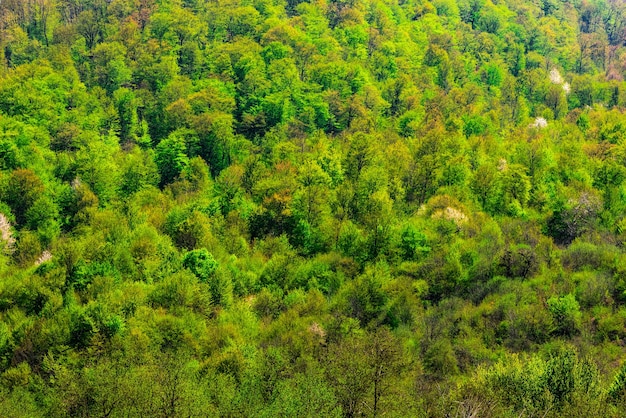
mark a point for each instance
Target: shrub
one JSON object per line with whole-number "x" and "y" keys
{"x": 566, "y": 315}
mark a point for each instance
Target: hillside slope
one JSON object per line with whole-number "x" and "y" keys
{"x": 327, "y": 208}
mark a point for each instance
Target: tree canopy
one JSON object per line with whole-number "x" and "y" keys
{"x": 312, "y": 208}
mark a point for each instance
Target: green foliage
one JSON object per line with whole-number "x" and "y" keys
{"x": 171, "y": 158}
{"x": 110, "y": 70}
{"x": 475, "y": 125}
{"x": 365, "y": 297}
{"x": 22, "y": 190}
{"x": 556, "y": 385}
{"x": 347, "y": 208}
{"x": 413, "y": 243}
{"x": 201, "y": 263}
{"x": 440, "y": 360}
{"x": 566, "y": 314}
{"x": 304, "y": 396}
{"x": 617, "y": 390}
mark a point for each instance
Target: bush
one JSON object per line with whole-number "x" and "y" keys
{"x": 585, "y": 255}
{"x": 566, "y": 315}
{"x": 440, "y": 359}
{"x": 201, "y": 263}
{"x": 519, "y": 261}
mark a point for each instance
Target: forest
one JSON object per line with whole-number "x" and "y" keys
{"x": 312, "y": 208}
